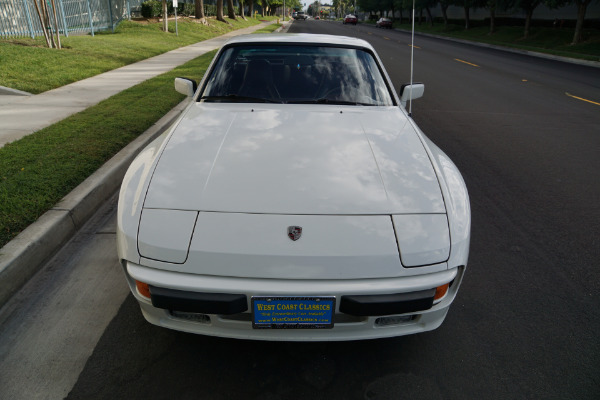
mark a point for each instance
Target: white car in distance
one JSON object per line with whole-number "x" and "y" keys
{"x": 239, "y": 222}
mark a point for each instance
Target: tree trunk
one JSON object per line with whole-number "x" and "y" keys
{"x": 230, "y": 9}
{"x": 40, "y": 14}
{"x": 429, "y": 16}
{"x": 199, "y": 11}
{"x": 251, "y": 8}
{"x": 492, "y": 20}
{"x": 467, "y": 19}
{"x": 445, "y": 14}
{"x": 165, "y": 16}
{"x": 528, "y": 23}
{"x": 220, "y": 11}
{"x": 48, "y": 23}
{"x": 56, "y": 24}
{"x": 242, "y": 10}
{"x": 581, "y": 10}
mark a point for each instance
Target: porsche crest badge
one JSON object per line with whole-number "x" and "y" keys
{"x": 294, "y": 232}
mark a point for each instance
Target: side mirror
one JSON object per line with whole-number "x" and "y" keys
{"x": 407, "y": 91}
{"x": 185, "y": 86}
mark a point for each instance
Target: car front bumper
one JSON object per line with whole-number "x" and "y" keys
{"x": 346, "y": 326}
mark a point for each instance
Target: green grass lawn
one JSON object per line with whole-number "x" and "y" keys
{"x": 544, "y": 40}
{"x": 40, "y": 169}
{"x": 28, "y": 65}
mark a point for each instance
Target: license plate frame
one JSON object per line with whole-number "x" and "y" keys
{"x": 293, "y": 312}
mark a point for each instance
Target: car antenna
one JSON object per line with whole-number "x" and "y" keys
{"x": 412, "y": 52}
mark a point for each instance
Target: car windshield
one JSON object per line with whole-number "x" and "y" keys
{"x": 297, "y": 74}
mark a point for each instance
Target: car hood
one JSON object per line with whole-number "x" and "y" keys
{"x": 295, "y": 159}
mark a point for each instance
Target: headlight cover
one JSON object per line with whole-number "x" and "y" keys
{"x": 423, "y": 239}
{"x": 165, "y": 235}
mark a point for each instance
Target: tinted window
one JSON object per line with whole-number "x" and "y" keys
{"x": 297, "y": 74}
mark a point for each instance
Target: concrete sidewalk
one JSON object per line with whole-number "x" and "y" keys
{"x": 21, "y": 115}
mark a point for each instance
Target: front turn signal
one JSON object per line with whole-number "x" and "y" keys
{"x": 440, "y": 291}
{"x": 143, "y": 289}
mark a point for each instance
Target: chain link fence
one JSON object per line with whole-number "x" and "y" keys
{"x": 19, "y": 18}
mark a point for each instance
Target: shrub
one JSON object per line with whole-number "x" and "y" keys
{"x": 151, "y": 9}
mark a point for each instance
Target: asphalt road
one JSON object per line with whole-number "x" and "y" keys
{"x": 524, "y": 324}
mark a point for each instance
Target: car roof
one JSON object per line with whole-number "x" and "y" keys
{"x": 301, "y": 38}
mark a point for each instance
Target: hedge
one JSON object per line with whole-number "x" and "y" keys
{"x": 153, "y": 9}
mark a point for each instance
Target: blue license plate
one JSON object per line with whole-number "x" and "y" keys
{"x": 292, "y": 312}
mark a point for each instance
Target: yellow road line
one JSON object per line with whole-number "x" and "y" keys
{"x": 464, "y": 62}
{"x": 386, "y": 38}
{"x": 416, "y": 47}
{"x": 582, "y": 99}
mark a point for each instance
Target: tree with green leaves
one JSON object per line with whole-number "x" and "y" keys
{"x": 366, "y": 5}
{"x": 293, "y": 4}
{"x": 274, "y": 5}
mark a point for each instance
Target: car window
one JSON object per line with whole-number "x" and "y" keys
{"x": 297, "y": 74}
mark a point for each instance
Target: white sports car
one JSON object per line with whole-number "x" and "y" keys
{"x": 294, "y": 199}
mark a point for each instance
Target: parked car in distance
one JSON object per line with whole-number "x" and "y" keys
{"x": 300, "y": 15}
{"x": 384, "y": 23}
{"x": 350, "y": 19}
{"x": 240, "y": 222}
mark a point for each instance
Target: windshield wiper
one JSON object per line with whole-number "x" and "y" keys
{"x": 234, "y": 98}
{"x": 329, "y": 101}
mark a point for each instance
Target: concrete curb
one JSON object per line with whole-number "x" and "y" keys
{"x": 285, "y": 25}
{"x": 13, "y": 92}
{"x": 23, "y": 256}
{"x": 595, "y": 64}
